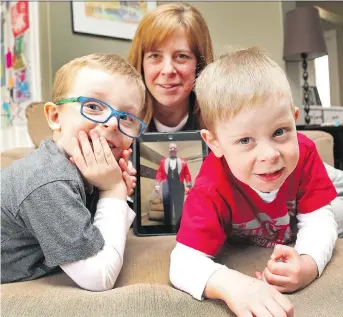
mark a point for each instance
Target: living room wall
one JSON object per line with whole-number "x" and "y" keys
{"x": 239, "y": 24}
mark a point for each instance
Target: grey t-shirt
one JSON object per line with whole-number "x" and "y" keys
{"x": 45, "y": 221}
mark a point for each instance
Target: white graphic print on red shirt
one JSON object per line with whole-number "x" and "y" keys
{"x": 266, "y": 231}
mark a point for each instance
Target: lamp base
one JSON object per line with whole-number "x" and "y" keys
{"x": 306, "y": 89}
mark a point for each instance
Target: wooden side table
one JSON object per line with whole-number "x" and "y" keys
{"x": 337, "y": 133}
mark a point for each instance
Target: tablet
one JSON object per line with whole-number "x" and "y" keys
{"x": 167, "y": 165}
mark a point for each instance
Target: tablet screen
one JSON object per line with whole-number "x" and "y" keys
{"x": 167, "y": 165}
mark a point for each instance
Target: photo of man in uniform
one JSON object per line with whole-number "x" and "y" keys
{"x": 173, "y": 177}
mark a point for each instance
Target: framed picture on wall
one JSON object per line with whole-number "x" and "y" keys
{"x": 117, "y": 19}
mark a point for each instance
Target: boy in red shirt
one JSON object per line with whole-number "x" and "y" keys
{"x": 261, "y": 174}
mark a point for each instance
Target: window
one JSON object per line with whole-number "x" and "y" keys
{"x": 327, "y": 73}
{"x": 323, "y": 79}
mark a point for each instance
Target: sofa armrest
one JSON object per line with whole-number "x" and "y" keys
{"x": 9, "y": 156}
{"x": 37, "y": 125}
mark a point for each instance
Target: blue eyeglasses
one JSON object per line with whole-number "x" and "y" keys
{"x": 100, "y": 112}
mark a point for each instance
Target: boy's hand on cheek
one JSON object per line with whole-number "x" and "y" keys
{"x": 288, "y": 271}
{"x": 98, "y": 165}
{"x": 128, "y": 171}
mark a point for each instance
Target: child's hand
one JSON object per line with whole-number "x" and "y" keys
{"x": 287, "y": 271}
{"x": 98, "y": 165}
{"x": 247, "y": 296}
{"x": 254, "y": 299}
{"x": 128, "y": 171}
{"x": 157, "y": 189}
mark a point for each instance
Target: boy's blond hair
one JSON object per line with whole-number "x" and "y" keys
{"x": 111, "y": 63}
{"x": 158, "y": 25}
{"x": 243, "y": 78}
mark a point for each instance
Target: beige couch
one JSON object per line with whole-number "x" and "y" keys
{"x": 143, "y": 287}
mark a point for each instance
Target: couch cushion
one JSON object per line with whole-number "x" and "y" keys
{"x": 324, "y": 144}
{"x": 143, "y": 287}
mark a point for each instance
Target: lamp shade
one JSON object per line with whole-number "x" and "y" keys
{"x": 303, "y": 33}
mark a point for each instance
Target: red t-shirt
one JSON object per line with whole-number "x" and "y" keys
{"x": 219, "y": 205}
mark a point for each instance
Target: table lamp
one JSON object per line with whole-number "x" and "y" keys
{"x": 303, "y": 41}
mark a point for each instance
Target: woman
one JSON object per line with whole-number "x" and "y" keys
{"x": 171, "y": 46}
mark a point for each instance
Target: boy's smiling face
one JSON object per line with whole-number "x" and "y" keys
{"x": 116, "y": 90}
{"x": 259, "y": 144}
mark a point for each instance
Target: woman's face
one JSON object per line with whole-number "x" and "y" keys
{"x": 169, "y": 70}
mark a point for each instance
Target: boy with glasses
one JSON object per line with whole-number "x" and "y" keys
{"x": 64, "y": 205}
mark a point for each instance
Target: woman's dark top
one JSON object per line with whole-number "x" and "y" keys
{"x": 192, "y": 123}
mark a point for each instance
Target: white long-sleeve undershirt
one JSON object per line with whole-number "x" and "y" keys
{"x": 113, "y": 217}
{"x": 191, "y": 269}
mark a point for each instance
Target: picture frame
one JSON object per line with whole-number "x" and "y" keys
{"x": 162, "y": 186}
{"x": 113, "y": 19}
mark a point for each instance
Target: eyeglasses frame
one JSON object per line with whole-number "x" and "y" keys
{"x": 114, "y": 113}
